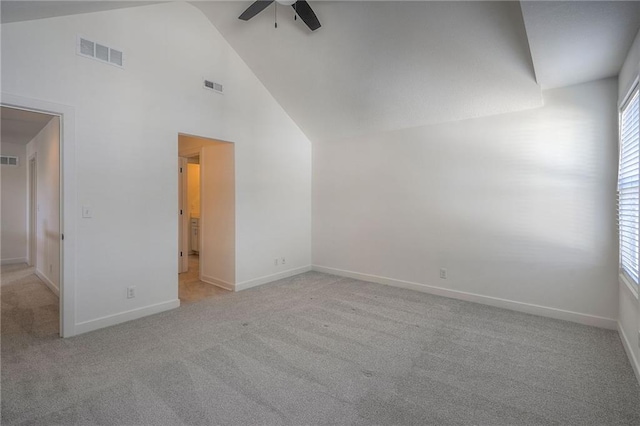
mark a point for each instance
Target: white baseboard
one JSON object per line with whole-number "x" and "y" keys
{"x": 13, "y": 261}
{"x": 635, "y": 363}
{"x": 121, "y": 317}
{"x": 528, "y": 308}
{"x": 217, "y": 282}
{"x": 48, "y": 283}
{"x": 269, "y": 278}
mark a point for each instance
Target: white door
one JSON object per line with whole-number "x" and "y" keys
{"x": 183, "y": 218}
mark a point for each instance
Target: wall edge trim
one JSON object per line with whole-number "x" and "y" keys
{"x": 635, "y": 363}
{"x": 217, "y": 282}
{"x": 543, "y": 311}
{"x": 270, "y": 278}
{"x": 13, "y": 260}
{"x": 120, "y": 317}
{"x": 48, "y": 283}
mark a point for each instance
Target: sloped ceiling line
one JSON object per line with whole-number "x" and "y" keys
{"x": 378, "y": 66}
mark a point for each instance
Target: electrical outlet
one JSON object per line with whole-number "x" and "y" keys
{"x": 131, "y": 292}
{"x": 275, "y": 262}
{"x": 443, "y": 273}
{"x": 282, "y": 261}
{"x": 86, "y": 212}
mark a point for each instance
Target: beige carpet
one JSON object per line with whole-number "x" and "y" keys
{"x": 9, "y": 274}
{"x": 191, "y": 289}
{"x": 29, "y": 309}
{"x": 317, "y": 349}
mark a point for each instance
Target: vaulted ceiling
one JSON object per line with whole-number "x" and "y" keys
{"x": 578, "y": 41}
{"x": 376, "y": 66}
{"x": 27, "y": 10}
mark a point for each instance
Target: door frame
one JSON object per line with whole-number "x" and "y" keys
{"x": 32, "y": 208}
{"x": 185, "y": 224}
{"x": 68, "y": 200}
{"x": 183, "y": 217}
{"x": 199, "y": 150}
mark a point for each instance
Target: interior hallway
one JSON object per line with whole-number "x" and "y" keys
{"x": 29, "y": 309}
{"x": 191, "y": 289}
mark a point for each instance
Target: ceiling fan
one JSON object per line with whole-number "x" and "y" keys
{"x": 301, "y": 8}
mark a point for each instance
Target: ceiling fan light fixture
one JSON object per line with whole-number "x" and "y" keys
{"x": 301, "y": 7}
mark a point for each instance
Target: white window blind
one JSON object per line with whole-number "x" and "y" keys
{"x": 628, "y": 185}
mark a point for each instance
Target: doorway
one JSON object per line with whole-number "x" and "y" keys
{"x": 206, "y": 218}
{"x": 67, "y": 198}
{"x": 31, "y": 223}
{"x": 189, "y": 232}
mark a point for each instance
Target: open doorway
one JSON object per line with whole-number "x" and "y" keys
{"x": 31, "y": 248}
{"x": 191, "y": 287}
{"x": 206, "y": 234}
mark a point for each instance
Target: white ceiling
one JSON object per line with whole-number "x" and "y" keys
{"x": 20, "y": 127}
{"x": 575, "y": 42}
{"x": 376, "y": 66}
{"x": 27, "y": 10}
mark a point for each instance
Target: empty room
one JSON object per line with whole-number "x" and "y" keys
{"x": 400, "y": 212}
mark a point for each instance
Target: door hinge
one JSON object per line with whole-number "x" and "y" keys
{"x": 180, "y": 211}
{"x": 180, "y": 169}
{"x": 62, "y": 237}
{"x": 180, "y": 254}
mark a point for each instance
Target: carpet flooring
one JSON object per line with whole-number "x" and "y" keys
{"x": 29, "y": 308}
{"x": 191, "y": 289}
{"x": 320, "y": 349}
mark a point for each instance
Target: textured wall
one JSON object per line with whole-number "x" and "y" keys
{"x": 518, "y": 206}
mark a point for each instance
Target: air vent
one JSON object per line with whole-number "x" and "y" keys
{"x": 212, "y": 85}
{"x": 8, "y": 160}
{"x": 86, "y": 47}
{"x": 99, "y": 52}
{"x": 115, "y": 57}
{"x": 102, "y": 52}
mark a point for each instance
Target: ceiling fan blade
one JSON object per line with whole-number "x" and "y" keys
{"x": 305, "y": 13}
{"x": 254, "y": 9}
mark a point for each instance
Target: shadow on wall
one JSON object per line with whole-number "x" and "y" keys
{"x": 519, "y": 206}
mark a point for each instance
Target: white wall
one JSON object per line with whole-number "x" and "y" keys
{"x": 14, "y": 206}
{"x": 127, "y": 122}
{"x": 518, "y": 206}
{"x": 630, "y": 69}
{"x": 629, "y": 305}
{"x": 217, "y": 224}
{"x": 46, "y": 147}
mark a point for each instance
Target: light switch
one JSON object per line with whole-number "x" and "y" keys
{"x": 86, "y": 211}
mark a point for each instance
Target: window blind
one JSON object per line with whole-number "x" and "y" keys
{"x": 628, "y": 186}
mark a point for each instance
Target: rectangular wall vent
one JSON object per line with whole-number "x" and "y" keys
{"x": 99, "y": 52}
{"x": 212, "y": 85}
{"x": 8, "y": 160}
{"x": 115, "y": 57}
